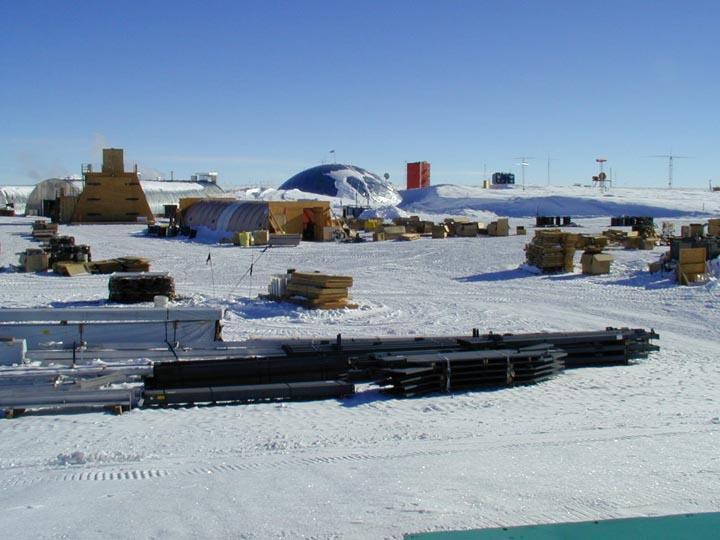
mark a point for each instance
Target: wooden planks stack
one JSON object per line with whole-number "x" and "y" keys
{"x": 42, "y": 229}
{"x": 692, "y": 266}
{"x": 552, "y": 250}
{"x": 131, "y": 288}
{"x": 320, "y": 291}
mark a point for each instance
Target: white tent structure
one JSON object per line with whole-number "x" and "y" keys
{"x": 16, "y": 196}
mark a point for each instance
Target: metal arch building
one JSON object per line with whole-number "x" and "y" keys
{"x": 307, "y": 218}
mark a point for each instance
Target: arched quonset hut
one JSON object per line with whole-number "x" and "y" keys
{"x": 345, "y": 181}
{"x": 162, "y": 192}
{"x": 41, "y": 200}
{"x": 15, "y": 197}
{"x": 230, "y": 216}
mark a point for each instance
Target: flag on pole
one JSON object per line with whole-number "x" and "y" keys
{"x": 209, "y": 259}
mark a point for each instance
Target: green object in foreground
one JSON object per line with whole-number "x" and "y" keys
{"x": 679, "y": 527}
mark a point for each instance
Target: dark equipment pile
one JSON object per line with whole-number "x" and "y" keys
{"x": 406, "y": 367}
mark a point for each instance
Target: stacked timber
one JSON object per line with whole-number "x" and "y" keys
{"x": 319, "y": 291}
{"x": 692, "y": 266}
{"x": 42, "y": 229}
{"x": 440, "y": 231}
{"x": 63, "y": 249}
{"x": 284, "y": 240}
{"x": 615, "y": 236}
{"x": 552, "y": 250}
{"x": 393, "y": 232}
{"x": 108, "y": 266}
{"x": 407, "y": 237}
{"x": 131, "y": 288}
{"x": 713, "y": 228}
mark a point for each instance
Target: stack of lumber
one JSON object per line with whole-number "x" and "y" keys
{"x": 319, "y": 291}
{"x": 552, "y": 250}
{"x": 468, "y": 230}
{"x": 713, "y": 227}
{"x": 134, "y": 264}
{"x": 109, "y": 266}
{"x": 63, "y": 249}
{"x": 639, "y": 242}
{"x": 440, "y": 231}
{"x": 131, "y": 288}
{"x": 393, "y": 232}
{"x": 615, "y": 236}
{"x": 409, "y": 236}
{"x": 284, "y": 240}
{"x": 598, "y": 242}
{"x": 692, "y": 266}
{"x": 42, "y": 229}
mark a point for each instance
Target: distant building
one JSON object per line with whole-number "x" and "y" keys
{"x": 503, "y": 179}
{"x": 418, "y": 175}
{"x": 348, "y": 182}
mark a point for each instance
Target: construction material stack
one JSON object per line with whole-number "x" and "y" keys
{"x": 319, "y": 291}
{"x": 420, "y": 374}
{"x": 552, "y": 251}
{"x": 593, "y": 260}
{"x": 131, "y": 288}
{"x": 713, "y": 227}
{"x": 501, "y": 227}
{"x": 63, "y": 249}
{"x": 34, "y": 260}
{"x": 692, "y": 266}
{"x": 42, "y": 230}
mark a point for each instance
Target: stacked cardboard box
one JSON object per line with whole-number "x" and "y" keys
{"x": 319, "y": 291}
{"x": 594, "y": 262}
{"x": 552, "y": 250}
{"x": 34, "y": 260}
{"x": 501, "y": 227}
{"x": 692, "y": 266}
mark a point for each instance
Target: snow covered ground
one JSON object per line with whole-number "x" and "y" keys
{"x": 591, "y": 443}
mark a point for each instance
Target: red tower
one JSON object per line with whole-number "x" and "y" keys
{"x": 418, "y": 175}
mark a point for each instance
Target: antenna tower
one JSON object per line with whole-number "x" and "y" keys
{"x": 670, "y": 158}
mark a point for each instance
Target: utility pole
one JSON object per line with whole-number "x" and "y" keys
{"x": 524, "y": 163}
{"x": 670, "y": 158}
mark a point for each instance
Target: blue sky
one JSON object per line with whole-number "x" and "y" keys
{"x": 261, "y": 90}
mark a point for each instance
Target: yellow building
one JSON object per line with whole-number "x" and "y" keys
{"x": 111, "y": 195}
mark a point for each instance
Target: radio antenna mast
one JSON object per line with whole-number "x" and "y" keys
{"x": 670, "y": 158}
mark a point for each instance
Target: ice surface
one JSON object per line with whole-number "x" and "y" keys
{"x": 592, "y": 443}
